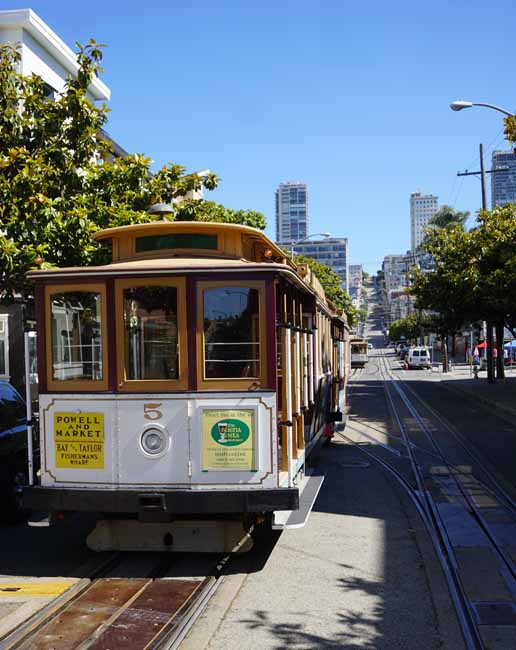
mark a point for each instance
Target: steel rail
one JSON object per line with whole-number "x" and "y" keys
{"x": 43, "y": 616}
{"x": 497, "y": 547}
{"x": 495, "y": 488}
{"x": 444, "y": 561}
{"x": 438, "y": 535}
{"x": 173, "y": 641}
{"x": 423, "y": 503}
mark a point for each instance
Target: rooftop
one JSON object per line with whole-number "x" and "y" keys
{"x": 28, "y": 20}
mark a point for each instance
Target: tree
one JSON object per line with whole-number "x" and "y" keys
{"x": 192, "y": 210}
{"x": 362, "y": 314}
{"x": 450, "y": 290}
{"x": 332, "y": 285}
{"x": 494, "y": 242}
{"x": 510, "y": 129}
{"x": 407, "y": 328}
{"x": 446, "y": 216}
{"x": 57, "y": 184}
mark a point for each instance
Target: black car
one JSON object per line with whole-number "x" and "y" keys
{"x": 13, "y": 452}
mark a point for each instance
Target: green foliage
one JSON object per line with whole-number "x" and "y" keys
{"x": 494, "y": 242}
{"x": 59, "y": 184}
{"x": 447, "y": 216}
{"x": 362, "y": 314}
{"x": 332, "y": 285}
{"x": 450, "y": 289}
{"x": 510, "y": 129}
{"x": 210, "y": 211}
{"x": 475, "y": 274}
{"x": 411, "y": 327}
{"x": 403, "y": 328}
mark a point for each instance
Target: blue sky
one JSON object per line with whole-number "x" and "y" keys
{"x": 351, "y": 98}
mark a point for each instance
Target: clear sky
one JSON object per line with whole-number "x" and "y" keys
{"x": 350, "y": 97}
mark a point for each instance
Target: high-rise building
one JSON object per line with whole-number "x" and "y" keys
{"x": 355, "y": 280}
{"x": 422, "y": 209}
{"x": 291, "y": 212}
{"x": 332, "y": 251}
{"x": 503, "y": 183}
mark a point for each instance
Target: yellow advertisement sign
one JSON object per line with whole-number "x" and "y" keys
{"x": 79, "y": 440}
{"x": 228, "y": 439}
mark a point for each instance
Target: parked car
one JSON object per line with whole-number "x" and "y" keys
{"x": 418, "y": 357}
{"x": 369, "y": 346}
{"x": 13, "y": 452}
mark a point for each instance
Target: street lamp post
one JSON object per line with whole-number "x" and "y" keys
{"x": 459, "y": 105}
{"x": 326, "y": 235}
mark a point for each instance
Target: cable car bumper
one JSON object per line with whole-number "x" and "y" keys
{"x": 172, "y": 502}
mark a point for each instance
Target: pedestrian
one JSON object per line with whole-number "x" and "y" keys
{"x": 476, "y": 362}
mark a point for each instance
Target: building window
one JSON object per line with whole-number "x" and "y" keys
{"x": 49, "y": 93}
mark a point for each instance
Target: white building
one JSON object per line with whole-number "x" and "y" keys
{"x": 291, "y": 212}
{"x": 422, "y": 209}
{"x": 356, "y": 276}
{"x": 332, "y": 251}
{"x": 43, "y": 52}
{"x": 395, "y": 273}
{"x": 355, "y": 283}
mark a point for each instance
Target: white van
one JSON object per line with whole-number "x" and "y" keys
{"x": 419, "y": 358}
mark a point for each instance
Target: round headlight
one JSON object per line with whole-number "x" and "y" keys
{"x": 153, "y": 441}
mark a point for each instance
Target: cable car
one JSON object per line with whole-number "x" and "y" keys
{"x": 183, "y": 385}
{"x": 359, "y": 352}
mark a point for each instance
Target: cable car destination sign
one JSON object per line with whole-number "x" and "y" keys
{"x": 79, "y": 440}
{"x": 228, "y": 439}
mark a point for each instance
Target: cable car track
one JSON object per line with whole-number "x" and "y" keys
{"x": 463, "y": 488}
{"x": 113, "y": 613}
{"x": 491, "y": 483}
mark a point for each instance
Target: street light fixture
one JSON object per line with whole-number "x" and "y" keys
{"x": 326, "y": 235}
{"x": 460, "y": 104}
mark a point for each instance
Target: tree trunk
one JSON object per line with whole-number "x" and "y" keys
{"x": 489, "y": 352}
{"x": 445, "y": 353}
{"x": 500, "y": 368}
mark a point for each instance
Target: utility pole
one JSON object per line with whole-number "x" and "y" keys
{"x": 489, "y": 333}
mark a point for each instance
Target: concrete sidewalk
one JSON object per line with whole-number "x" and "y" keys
{"x": 361, "y": 574}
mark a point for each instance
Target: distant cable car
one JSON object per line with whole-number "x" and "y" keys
{"x": 359, "y": 354}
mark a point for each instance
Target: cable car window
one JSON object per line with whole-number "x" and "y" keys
{"x": 151, "y": 333}
{"x": 76, "y": 335}
{"x": 231, "y": 333}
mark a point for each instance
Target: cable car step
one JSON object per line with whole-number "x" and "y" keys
{"x": 308, "y": 490}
